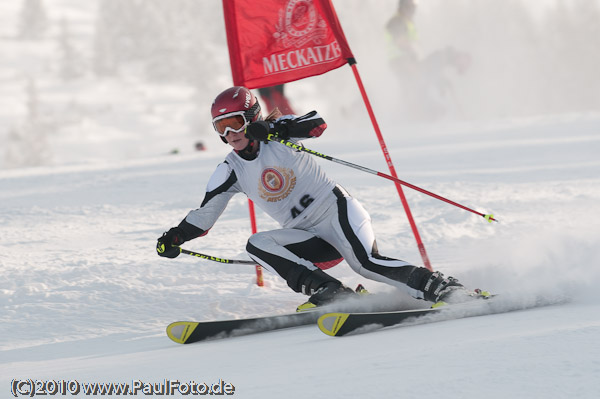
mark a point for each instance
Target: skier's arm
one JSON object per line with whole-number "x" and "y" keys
{"x": 221, "y": 187}
{"x": 289, "y": 126}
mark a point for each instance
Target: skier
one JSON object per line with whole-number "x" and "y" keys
{"x": 320, "y": 221}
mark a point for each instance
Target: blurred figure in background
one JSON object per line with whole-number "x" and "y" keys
{"x": 273, "y": 97}
{"x": 426, "y": 90}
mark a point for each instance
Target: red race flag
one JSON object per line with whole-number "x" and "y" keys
{"x": 278, "y": 41}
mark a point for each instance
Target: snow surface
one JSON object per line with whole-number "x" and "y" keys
{"x": 84, "y": 296}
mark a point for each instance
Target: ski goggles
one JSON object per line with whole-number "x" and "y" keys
{"x": 233, "y": 122}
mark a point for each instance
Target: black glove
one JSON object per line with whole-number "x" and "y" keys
{"x": 168, "y": 244}
{"x": 260, "y": 130}
{"x": 306, "y": 126}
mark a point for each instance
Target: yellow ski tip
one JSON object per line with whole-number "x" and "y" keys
{"x": 181, "y": 330}
{"x": 330, "y": 323}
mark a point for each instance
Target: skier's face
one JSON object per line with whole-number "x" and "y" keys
{"x": 237, "y": 140}
{"x": 233, "y": 128}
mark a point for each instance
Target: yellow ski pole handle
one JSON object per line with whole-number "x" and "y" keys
{"x": 216, "y": 259}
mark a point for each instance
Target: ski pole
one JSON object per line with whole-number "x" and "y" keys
{"x": 215, "y": 259}
{"x": 299, "y": 147}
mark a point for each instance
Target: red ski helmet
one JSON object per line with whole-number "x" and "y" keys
{"x": 238, "y": 102}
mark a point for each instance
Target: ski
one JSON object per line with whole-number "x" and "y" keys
{"x": 338, "y": 324}
{"x": 187, "y": 332}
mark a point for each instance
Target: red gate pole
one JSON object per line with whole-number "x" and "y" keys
{"x": 259, "y": 274}
{"x": 388, "y": 160}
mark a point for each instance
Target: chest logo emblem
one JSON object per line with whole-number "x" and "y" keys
{"x": 276, "y": 184}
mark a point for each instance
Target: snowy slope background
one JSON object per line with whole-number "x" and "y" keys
{"x": 95, "y": 168}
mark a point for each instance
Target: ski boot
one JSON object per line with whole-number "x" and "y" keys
{"x": 329, "y": 293}
{"x": 460, "y": 295}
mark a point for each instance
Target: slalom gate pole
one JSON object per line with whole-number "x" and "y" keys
{"x": 272, "y": 137}
{"x": 388, "y": 159}
{"x": 215, "y": 259}
{"x": 259, "y": 274}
